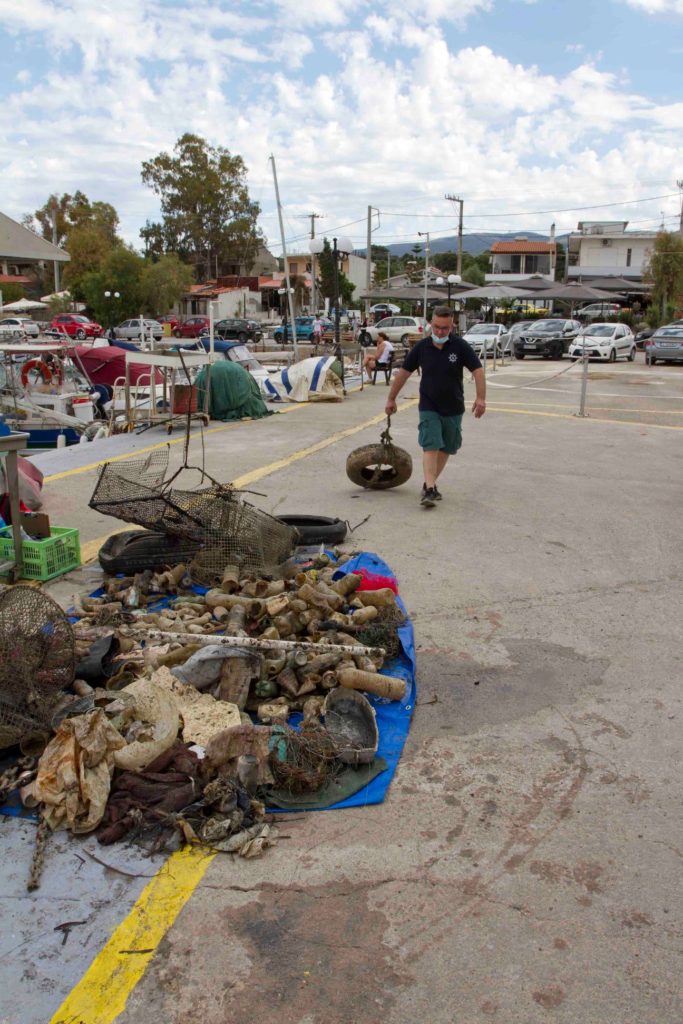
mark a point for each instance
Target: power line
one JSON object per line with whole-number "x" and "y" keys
{"x": 534, "y": 213}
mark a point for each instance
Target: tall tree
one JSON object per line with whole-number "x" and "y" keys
{"x": 122, "y": 271}
{"x": 326, "y": 284}
{"x": 74, "y": 211}
{"x": 164, "y": 281}
{"x": 664, "y": 269}
{"x": 208, "y": 217}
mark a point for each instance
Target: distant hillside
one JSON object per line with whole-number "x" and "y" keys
{"x": 473, "y": 244}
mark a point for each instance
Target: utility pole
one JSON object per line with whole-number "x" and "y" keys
{"x": 424, "y": 303}
{"x": 679, "y": 184}
{"x": 368, "y": 251}
{"x": 456, "y": 199}
{"x": 286, "y": 261}
{"x": 313, "y": 217}
{"x": 53, "y": 218}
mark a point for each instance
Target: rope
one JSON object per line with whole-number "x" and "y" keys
{"x": 541, "y": 380}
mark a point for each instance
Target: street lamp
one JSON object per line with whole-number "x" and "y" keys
{"x": 115, "y": 296}
{"x": 451, "y": 281}
{"x": 287, "y": 292}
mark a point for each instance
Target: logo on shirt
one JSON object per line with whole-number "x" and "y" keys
{"x": 452, "y": 358}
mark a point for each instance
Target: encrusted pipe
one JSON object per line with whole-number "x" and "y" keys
{"x": 377, "y": 598}
{"x": 363, "y": 615}
{"x": 372, "y": 682}
{"x": 347, "y": 584}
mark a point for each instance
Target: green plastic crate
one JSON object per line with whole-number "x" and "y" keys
{"x": 44, "y": 559}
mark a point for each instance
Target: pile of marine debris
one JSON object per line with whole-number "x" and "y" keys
{"x": 180, "y": 711}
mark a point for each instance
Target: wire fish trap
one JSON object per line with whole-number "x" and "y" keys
{"x": 379, "y": 466}
{"x": 303, "y": 761}
{"x": 37, "y": 662}
{"x": 228, "y": 530}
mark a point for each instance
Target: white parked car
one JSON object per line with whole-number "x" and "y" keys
{"x": 492, "y": 335}
{"x": 399, "y": 328}
{"x": 598, "y": 311}
{"x": 18, "y": 325}
{"x": 604, "y": 341}
{"x": 139, "y": 330}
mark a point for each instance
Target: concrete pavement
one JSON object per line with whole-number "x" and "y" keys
{"x": 525, "y": 865}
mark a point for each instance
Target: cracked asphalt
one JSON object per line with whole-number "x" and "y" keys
{"x": 525, "y": 865}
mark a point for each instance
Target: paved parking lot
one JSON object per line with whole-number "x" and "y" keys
{"x": 523, "y": 866}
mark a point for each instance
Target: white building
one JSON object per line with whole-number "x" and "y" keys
{"x": 515, "y": 260}
{"x": 607, "y": 249}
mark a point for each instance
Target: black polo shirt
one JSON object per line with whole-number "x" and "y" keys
{"x": 441, "y": 388}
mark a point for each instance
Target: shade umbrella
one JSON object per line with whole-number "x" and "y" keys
{"x": 575, "y": 293}
{"x": 410, "y": 292}
{"x": 536, "y": 283}
{"x": 496, "y": 291}
{"x": 617, "y": 284}
{"x": 22, "y": 305}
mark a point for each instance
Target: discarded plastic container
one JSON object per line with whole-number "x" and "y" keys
{"x": 373, "y": 581}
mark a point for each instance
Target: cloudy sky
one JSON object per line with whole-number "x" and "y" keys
{"x": 532, "y": 110}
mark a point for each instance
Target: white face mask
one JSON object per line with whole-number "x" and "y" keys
{"x": 439, "y": 341}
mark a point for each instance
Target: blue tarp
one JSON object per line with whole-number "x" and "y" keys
{"x": 393, "y": 717}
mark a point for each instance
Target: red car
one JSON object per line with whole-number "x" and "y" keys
{"x": 192, "y": 327}
{"x": 168, "y": 318}
{"x": 76, "y": 326}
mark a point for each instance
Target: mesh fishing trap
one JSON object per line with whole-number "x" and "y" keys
{"x": 229, "y": 530}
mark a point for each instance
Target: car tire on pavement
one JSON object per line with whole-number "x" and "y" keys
{"x": 519, "y": 355}
{"x": 177, "y": 333}
{"x": 80, "y": 334}
{"x": 316, "y": 529}
{"x": 242, "y": 337}
{"x": 632, "y": 355}
{"x": 405, "y": 338}
{"x": 613, "y": 355}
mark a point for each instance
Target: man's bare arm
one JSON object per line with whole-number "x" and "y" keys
{"x": 400, "y": 377}
{"x": 479, "y": 403}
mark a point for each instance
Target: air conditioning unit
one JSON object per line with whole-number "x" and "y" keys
{"x": 607, "y": 241}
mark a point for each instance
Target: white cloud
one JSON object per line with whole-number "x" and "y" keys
{"x": 657, "y": 6}
{"x": 361, "y": 102}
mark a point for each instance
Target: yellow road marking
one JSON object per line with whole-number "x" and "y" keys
{"x": 596, "y": 408}
{"x": 155, "y": 447}
{"x": 101, "y": 994}
{"x": 90, "y": 548}
{"x": 570, "y": 416}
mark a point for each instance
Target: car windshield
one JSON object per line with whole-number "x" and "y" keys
{"x": 549, "y": 325}
{"x": 484, "y": 329}
{"x": 242, "y": 355}
{"x": 81, "y": 319}
{"x": 599, "y": 331}
{"x": 669, "y": 332}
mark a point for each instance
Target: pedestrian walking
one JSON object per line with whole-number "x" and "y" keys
{"x": 317, "y": 330}
{"x": 441, "y": 356}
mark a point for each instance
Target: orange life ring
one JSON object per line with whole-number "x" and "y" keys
{"x": 49, "y": 373}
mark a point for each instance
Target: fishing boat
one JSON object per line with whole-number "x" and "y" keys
{"x": 42, "y": 394}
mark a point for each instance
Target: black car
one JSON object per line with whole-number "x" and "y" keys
{"x": 547, "y": 338}
{"x": 241, "y": 330}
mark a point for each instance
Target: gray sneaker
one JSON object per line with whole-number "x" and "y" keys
{"x": 428, "y": 498}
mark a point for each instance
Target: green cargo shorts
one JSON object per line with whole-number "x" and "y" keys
{"x": 440, "y": 433}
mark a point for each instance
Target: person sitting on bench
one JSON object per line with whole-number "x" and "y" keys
{"x": 382, "y": 354}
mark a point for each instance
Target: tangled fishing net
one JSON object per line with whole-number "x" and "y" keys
{"x": 36, "y": 662}
{"x": 303, "y": 761}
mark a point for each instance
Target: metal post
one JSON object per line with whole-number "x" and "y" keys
{"x": 584, "y": 383}
{"x": 424, "y": 301}
{"x": 337, "y": 319}
{"x": 368, "y": 251}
